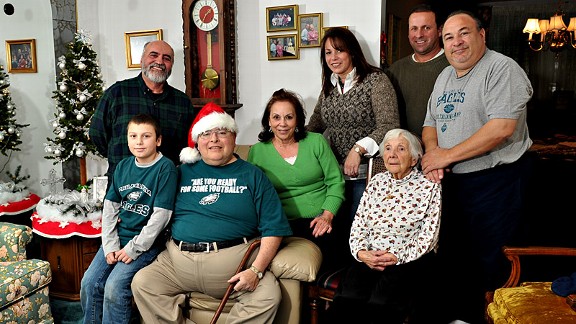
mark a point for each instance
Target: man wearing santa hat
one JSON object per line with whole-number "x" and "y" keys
{"x": 223, "y": 203}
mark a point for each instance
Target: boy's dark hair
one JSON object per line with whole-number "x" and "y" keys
{"x": 147, "y": 119}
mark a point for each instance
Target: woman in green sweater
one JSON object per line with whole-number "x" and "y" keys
{"x": 301, "y": 166}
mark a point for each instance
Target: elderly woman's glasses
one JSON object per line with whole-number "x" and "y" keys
{"x": 220, "y": 133}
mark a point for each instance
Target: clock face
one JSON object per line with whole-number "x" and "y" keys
{"x": 205, "y": 15}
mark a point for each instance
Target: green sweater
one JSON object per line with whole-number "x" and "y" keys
{"x": 313, "y": 184}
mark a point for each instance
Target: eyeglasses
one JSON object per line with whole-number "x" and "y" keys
{"x": 220, "y": 133}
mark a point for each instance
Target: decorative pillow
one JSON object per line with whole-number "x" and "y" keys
{"x": 298, "y": 259}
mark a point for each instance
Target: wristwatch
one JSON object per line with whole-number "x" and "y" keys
{"x": 357, "y": 149}
{"x": 257, "y": 272}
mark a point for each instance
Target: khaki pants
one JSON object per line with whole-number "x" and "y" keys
{"x": 160, "y": 289}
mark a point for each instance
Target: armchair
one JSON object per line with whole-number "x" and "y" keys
{"x": 529, "y": 302}
{"x": 23, "y": 283}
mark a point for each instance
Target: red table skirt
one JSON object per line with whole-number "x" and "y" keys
{"x": 58, "y": 230}
{"x": 17, "y": 207}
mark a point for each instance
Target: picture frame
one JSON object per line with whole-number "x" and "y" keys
{"x": 281, "y": 18}
{"x": 289, "y": 43}
{"x": 324, "y": 29}
{"x": 99, "y": 185}
{"x": 21, "y": 56}
{"x": 135, "y": 42}
{"x": 310, "y": 30}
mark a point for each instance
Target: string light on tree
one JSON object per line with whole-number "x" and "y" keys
{"x": 80, "y": 87}
{"x": 10, "y": 130}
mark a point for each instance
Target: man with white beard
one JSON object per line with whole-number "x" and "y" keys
{"x": 148, "y": 93}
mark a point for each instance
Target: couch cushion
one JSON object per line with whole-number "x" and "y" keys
{"x": 531, "y": 302}
{"x": 22, "y": 278}
{"x": 298, "y": 259}
{"x": 13, "y": 240}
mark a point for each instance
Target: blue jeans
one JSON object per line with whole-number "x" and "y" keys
{"x": 354, "y": 189}
{"x": 105, "y": 293}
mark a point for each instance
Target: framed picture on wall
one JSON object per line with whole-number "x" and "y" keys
{"x": 281, "y": 18}
{"x": 393, "y": 38}
{"x": 324, "y": 29}
{"x": 21, "y": 56}
{"x": 310, "y": 29}
{"x": 283, "y": 47}
{"x": 135, "y": 42}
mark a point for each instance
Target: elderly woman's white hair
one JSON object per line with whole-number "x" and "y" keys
{"x": 413, "y": 141}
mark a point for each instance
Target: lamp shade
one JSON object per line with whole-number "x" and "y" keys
{"x": 532, "y": 26}
{"x": 572, "y": 25}
{"x": 544, "y": 25}
{"x": 556, "y": 23}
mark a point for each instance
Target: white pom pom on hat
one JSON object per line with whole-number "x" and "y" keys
{"x": 209, "y": 117}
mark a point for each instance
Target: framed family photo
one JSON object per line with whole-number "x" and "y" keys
{"x": 310, "y": 29}
{"x": 324, "y": 29}
{"x": 281, "y": 18}
{"x": 21, "y": 56}
{"x": 135, "y": 42}
{"x": 283, "y": 47}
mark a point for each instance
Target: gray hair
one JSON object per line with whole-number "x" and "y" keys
{"x": 413, "y": 141}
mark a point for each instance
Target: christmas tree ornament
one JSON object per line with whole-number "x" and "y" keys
{"x": 54, "y": 124}
{"x": 80, "y": 117}
{"x": 10, "y": 130}
{"x": 48, "y": 149}
{"x": 82, "y": 98}
{"x": 62, "y": 65}
{"x": 62, "y": 135}
{"x": 63, "y": 87}
{"x": 79, "y": 153}
{"x": 1, "y": 137}
{"x": 57, "y": 152}
{"x": 62, "y": 115}
{"x": 81, "y": 66}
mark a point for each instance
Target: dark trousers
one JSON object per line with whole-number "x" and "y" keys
{"x": 480, "y": 214}
{"x": 390, "y": 296}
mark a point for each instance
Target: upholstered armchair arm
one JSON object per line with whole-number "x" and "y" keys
{"x": 13, "y": 241}
{"x": 297, "y": 259}
{"x": 513, "y": 254}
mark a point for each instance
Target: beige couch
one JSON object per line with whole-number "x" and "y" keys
{"x": 297, "y": 261}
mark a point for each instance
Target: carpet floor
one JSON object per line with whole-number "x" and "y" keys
{"x": 66, "y": 312}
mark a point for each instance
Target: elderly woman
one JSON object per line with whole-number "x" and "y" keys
{"x": 302, "y": 168}
{"x": 222, "y": 204}
{"x": 393, "y": 234}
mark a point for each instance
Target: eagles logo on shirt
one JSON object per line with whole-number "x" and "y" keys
{"x": 210, "y": 199}
{"x": 133, "y": 196}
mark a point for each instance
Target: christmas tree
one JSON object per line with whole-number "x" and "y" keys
{"x": 80, "y": 86}
{"x": 9, "y": 130}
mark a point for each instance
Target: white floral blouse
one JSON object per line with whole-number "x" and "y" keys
{"x": 398, "y": 216}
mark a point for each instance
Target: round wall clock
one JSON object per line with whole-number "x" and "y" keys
{"x": 210, "y": 52}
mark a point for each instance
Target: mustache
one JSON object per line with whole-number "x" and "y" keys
{"x": 161, "y": 66}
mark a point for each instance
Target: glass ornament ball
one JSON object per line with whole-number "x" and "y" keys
{"x": 49, "y": 149}
{"x": 62, "y": 135}
{"x": 11, "y": 130}
{"x": 82, "y": 98}
{"x": 55, "y": 124}
{"x": 63, "y": 87}
{"x": 79, "y": 117}
{"x": 81, "y": 66}
{"x": 62, "y": 115}
{"x": 57, "y": 152}
{"x": 62, "y": 65}
{"x": 1, "y": 81}
{"x": 79, "y": 153}
{"x": 9, "y": 106}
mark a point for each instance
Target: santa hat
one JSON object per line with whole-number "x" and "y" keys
{"x": 209, "y": 117}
